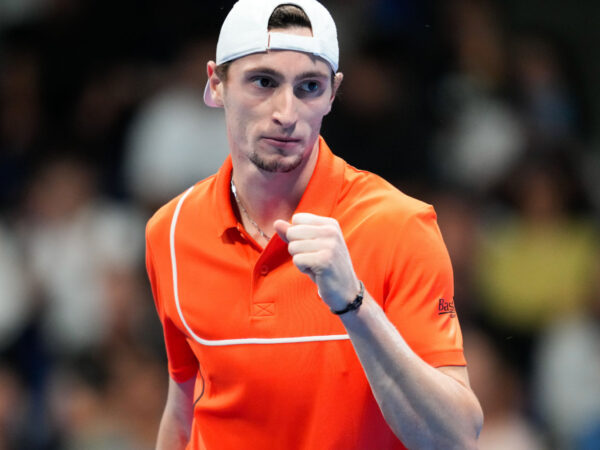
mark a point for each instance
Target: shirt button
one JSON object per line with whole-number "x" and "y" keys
{"x": 264, "y": 269}
{"x": 241, "y": 231}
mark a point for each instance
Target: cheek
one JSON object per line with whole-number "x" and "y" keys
{"x": 314, "y": 113}
{"x": 240, "y": 123}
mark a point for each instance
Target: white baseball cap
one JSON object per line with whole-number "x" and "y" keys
{"x": 245, "y": 31}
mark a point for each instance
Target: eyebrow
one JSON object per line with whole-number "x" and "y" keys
{"x": 276, "y": 74}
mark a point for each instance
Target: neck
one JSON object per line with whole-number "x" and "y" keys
{"x": 267, "y": 196}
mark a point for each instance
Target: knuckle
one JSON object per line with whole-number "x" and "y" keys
{"x": 330, "y": 229}
{"x": 329, "y": 245}
{"x": 333, "y": 222}
{"x": 298, "y": 261}
{"x": 326, "y": 256}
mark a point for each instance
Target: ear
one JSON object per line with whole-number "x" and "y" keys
{"x": 214, "y": 83}
{"x": 337, "y": 81}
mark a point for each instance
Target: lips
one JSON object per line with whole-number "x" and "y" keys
{"x": 282, "y": 142}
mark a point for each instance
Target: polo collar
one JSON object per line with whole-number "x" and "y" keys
{"x": 320, "y": 196}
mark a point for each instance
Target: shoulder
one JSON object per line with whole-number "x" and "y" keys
{"x": 160, "y": 221}
{"x": 375, "y": 214}
{"x": 370, "y": 198}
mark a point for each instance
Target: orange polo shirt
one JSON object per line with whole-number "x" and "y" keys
{"x": 275, "y": 367}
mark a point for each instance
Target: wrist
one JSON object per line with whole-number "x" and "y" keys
{"x": 354, "y": 304}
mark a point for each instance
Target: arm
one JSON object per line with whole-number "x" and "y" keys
{"x": 425, "y": 407}
{"x": 175, "y": 425}
{"x": 176, "y": 422}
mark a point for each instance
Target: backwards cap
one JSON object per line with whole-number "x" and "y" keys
{"x": 245, "y": 31}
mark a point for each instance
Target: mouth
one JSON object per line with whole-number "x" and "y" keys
{"x": 283, "y": 142}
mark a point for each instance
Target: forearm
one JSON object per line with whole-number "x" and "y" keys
{"x": 172, "y": 434}
{"x": 424, "y": 407}
{"x": 176, "y": 423}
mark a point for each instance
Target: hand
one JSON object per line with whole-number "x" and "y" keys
{"x": 318, "y": 249}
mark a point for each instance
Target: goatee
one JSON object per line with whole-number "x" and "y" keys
{"x": 276, "y": 165}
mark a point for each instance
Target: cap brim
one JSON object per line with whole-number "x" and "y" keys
{"x": 208, "y": 99}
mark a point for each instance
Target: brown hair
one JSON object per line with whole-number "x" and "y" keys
{"x": 288, "y": 16}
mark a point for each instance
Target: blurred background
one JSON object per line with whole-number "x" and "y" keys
{"x": 488, "y": 109}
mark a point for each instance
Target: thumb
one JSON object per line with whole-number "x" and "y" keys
{"x": 281, "y": 227}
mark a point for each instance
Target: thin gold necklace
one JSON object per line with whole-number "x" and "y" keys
{"x": 241, "y": 206}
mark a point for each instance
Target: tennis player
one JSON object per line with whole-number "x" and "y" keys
{"x": 305, "y": 304}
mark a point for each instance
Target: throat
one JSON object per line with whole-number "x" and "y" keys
{"x": 245, "y": 215}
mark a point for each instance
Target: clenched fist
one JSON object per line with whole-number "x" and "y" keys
{"x": 318, "y": 249}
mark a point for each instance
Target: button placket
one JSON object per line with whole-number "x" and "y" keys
{"x": 273, "y": 255}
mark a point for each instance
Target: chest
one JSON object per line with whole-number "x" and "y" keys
{"x": 244, "y": 294}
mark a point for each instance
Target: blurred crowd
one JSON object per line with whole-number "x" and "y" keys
{"x": 102, "y": 121}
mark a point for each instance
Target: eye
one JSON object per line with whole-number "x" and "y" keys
{"x": 310, "y": 86}
{"x": 263, "y": 82}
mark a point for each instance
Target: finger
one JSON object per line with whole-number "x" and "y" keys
{"x": 309, "y": 272}
{"x": 299, "y": 232}
{"x": 296, "y": 247}
{"x": 307, "y": 263}
{"x": 281, "y": 227}
{"x": 311, "y": 219}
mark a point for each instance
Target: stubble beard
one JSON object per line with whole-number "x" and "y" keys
{"x": 275, "y": 165}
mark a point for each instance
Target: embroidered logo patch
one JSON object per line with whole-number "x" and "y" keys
{"x": 446, "y": 307}
{"x": 263, "y": 309}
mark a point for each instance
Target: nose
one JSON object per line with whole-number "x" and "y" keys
{"x": 284, "y": 107}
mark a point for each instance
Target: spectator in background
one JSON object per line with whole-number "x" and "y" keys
{"x": 21, "y": 116}
{"x": 480, "y": 136}
{"x": 543, "y": 90}
{"x": 95, "y": 403}
{"x": 137, "y": 402}
{"x": 382, "y": 105}
{"x": 15, "y": 300}
{"x": 537, "y": 263}
{"x": 73, "y": 239}
{"x": 79, "y": 407}
{"x": 500, "y": 389}
{"x": 567, "y": 370}
{"x": 175, "y": 138}
{"x": 376, "y": 125}
{"x": 99, "y": 116}
{"x": 16, "y": 11}
{"x": 13, "y": 407}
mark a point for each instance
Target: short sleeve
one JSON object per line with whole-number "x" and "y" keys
{"x": 419, "y": 298}
{"x": 182, "y": 362}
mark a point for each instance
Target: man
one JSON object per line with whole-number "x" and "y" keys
{"x": 305, "y": 304}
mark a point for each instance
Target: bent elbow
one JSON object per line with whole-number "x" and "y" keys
{"x": 471, "y": 434}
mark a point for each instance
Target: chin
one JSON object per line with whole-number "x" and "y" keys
{"x": 276, "y": 164}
